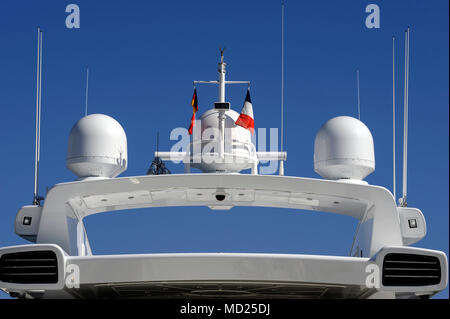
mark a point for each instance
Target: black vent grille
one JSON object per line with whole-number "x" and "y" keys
{"x": 411, "y": 270}
{"x": 29, "y": 267}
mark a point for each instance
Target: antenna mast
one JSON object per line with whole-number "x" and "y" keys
{"x": 402, "y": 200}
{"x": 157, "y": 142}
{"x": 87, "y": 91}
{"x": 359, "y": 101}
{"x": 393, "y": 118}
{"x": 222, "y": 70}
{"x": 281, "y": 168}
{"x": 222, "y": 106}
{"x": 36, "y": 197}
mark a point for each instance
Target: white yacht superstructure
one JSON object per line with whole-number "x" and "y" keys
{"x": 58, "y": 263}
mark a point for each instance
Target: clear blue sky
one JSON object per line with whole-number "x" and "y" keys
{"x": 143, "y": 56}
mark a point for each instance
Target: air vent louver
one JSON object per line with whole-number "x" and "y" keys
{"x": 29, "y": 267}
{"x": 411, "y": 270}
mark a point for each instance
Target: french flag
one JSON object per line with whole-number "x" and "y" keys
{"x": 245, "y": 119}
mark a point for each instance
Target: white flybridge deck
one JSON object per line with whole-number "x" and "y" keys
{"x": 59, "y": 263}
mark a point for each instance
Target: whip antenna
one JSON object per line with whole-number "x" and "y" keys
{"x": 36, "y": 197}
{"x": 157, "y": 167}
{"x": 393, "y": 118}
{"x": 359, "y": 101}
{"x": 281, "y": 168}
{"x": 402, "y": 200}
{"x": 87, "y": 91}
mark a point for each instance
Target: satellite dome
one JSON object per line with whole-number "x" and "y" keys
{"x": 97, "y": 147}
{"x": 239, "y": 152}
{"x": 209, "y": 121}
{"x": 343, "y": 149}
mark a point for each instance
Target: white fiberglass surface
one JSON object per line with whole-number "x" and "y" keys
{"x": 239, "y": 230}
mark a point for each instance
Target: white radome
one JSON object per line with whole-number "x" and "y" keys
{"x": 97, "y": 147}
{"x": 344, "y": 150}
{"x": 240, "y": 152}
{"x": 209, "y": 121}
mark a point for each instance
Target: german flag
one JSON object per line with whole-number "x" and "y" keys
{"x": 194, "y": 103}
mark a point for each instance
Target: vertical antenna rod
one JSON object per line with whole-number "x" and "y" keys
{"x": 157, "y": 142}
{"x": 40, "y": 107}
{"x": 281, "y": 168}
{"x": 36, "y": 198}
{"x": 393, "y": 118}
{"x": 222, "y": 70}
{"x": 405, "y": 122}
{"x": 359, "y": 101}
{"x": 87, "y": 91}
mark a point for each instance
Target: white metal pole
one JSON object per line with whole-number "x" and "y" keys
{"x": 254, "y": 169}
{"x": 405, "y": 121}
{"x": 39, "y": 120}
{"x": 87, "y": 92}
{"x": 359, "y": 100}
{"x": 221, "y": 134}
{"x": 40, "y": 101}
{"x": 35, "y": 194}
{"x": 222, "y": 87}
{"x": 222, "y": 71}
{"x": 393, "y": 119}
{"x": 281, "y": 163}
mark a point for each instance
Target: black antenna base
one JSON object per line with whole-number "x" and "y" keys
{"x": 158, "y": 167}
{"x": 37, "y": 200}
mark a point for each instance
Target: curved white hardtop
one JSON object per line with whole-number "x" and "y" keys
{"x": 66, "y": 202}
